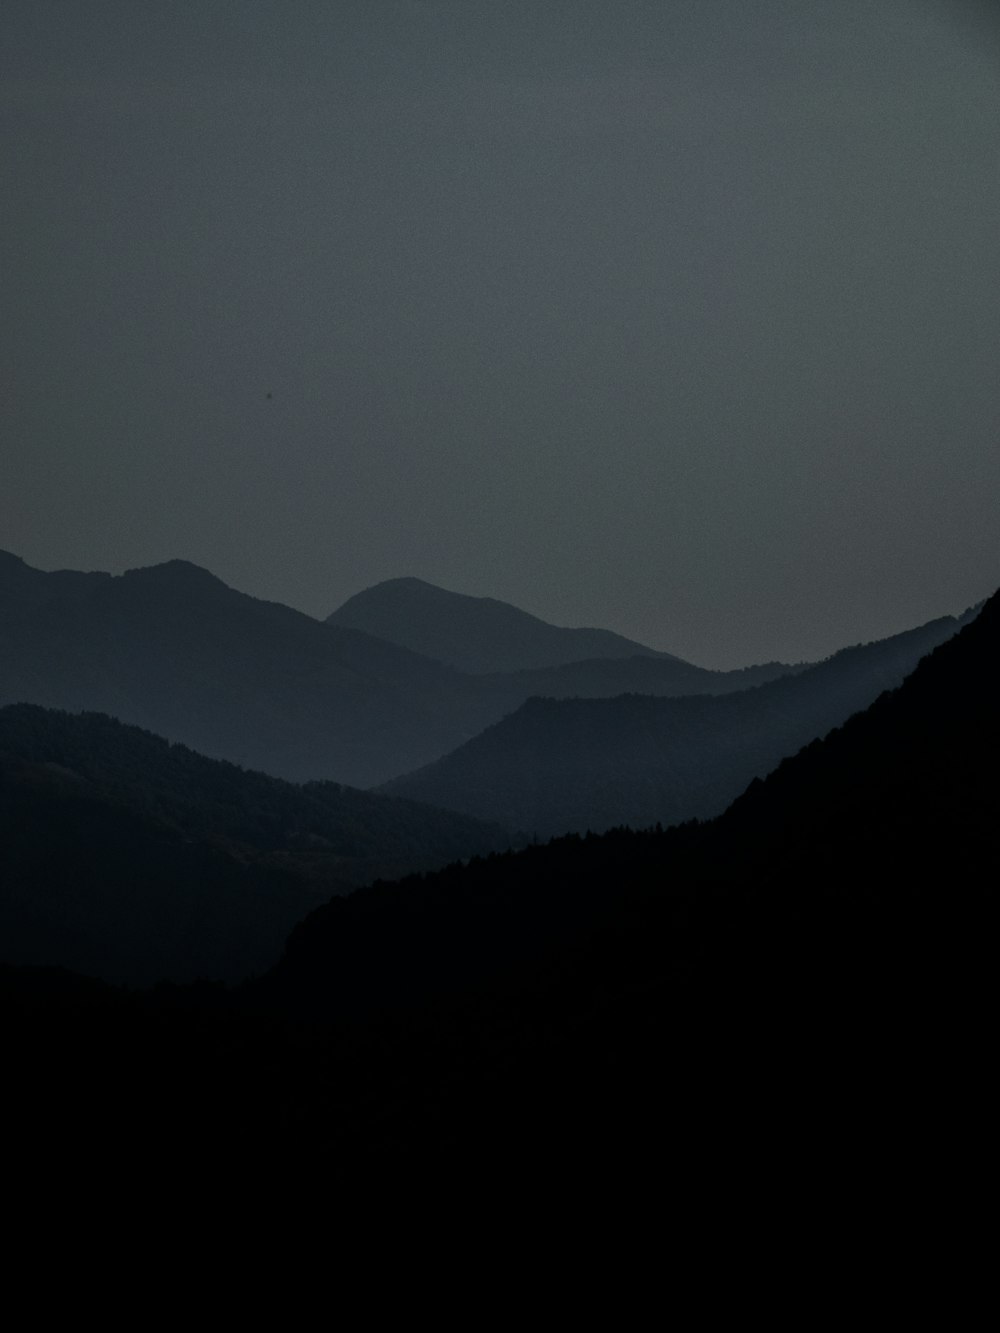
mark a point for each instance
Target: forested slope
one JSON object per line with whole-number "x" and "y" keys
{"x": 131, "y": 858}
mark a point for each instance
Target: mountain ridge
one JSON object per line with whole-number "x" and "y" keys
{"x": 476, "y": 634}
{"x": 171, "y": 648}
{"x": 908, "y": 784}
{"x": 789, "y": 1004}
{"x": 557, "y": 766}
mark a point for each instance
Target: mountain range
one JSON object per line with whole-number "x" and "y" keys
{"x": 548, "y": 748}
{"x": 519, "y": 655}
{"x": 793, "y": 998}
{"x": 796, "y": 994}
{"x": 555, "y": 766}
{"x": 172, "y": 649}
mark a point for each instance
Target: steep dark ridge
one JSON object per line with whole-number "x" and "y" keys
{"x": 867, "y": 862}
{"x": 571, "y": 765}
{"x": 476, "y": 634}
{"x": 174, "y": 650}
{"x": 130, "y": 858}
{"x": 930, "y": 744}
{"x": 888, "y": 826}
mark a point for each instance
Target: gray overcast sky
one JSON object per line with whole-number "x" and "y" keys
{"x": 680, "y": 318}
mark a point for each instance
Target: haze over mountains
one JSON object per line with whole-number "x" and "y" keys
{"x": 574, "y": 764}
{"x": 889, "y": 819}
{"x": 656, "y": 1005}
{"x": 172, "y": 649}
{"x": 515, "y": 655}
{"x": 802, "y": 985}
{"x": 131, "y": 858}
{"x": 477, "y": 634}
{"x": 175, "y": 651}
{"x": 679, "y": 319}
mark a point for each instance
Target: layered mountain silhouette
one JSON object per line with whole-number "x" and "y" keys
{"x": 515, "y": 655}
{"x": 888, "y": 826}
{"x": 799, "y": 990}
{"x": 575, "y": 764}
{"x": 476, "y": 634}
{"x": 171, "y": 648}
{"x": 132, "y": 859}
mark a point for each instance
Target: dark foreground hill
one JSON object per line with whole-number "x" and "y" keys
{"x": 570, "y": 765}
{"x": 788, "y": 1007}
{"x": 133, "y": 859}
{"x": 477, "y": 634}
{"x": 922, "y": 755}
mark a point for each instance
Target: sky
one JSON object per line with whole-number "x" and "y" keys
{"x": 672, "y": 317}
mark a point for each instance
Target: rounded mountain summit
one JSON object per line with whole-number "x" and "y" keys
{"x": 476, "y": 634}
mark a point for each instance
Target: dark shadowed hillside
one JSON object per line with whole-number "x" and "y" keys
{"x": 577, "y": 764}
{"x": 794, "y": 997}
{"x": 869, "y": 860}
{"x": 477, "y": 634}
{"x": 130, "y": 858}
{"x": 890, "y": 817}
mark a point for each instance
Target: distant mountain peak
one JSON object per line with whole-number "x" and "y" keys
{"x": 411, "y": 581}
{"x": 476, "y": 634}
{"x": 407, "y": 586}
{"x": 174, "y": 571}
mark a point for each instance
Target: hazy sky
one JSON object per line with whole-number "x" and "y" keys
{"x": 680, "y": 317}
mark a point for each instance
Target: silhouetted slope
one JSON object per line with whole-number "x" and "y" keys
{"x": 172, "y": 649}
{"x": 130, "y": 858}
{"x": 477, "y": 634}
{"x": 791, "y": 1004}
{"x": 922, "y": 758}
{"x": 897, "y": 809}
{"x": 869, "y": 860}
{"x": 557, "y": 766}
